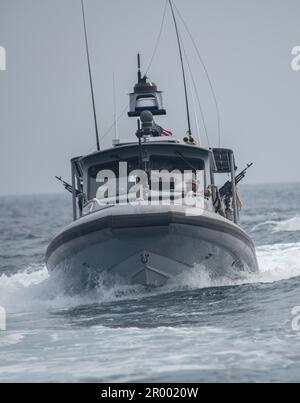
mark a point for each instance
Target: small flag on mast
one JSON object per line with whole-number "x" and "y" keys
{"x": 161, "y": 131}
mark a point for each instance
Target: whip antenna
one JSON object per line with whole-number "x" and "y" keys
{"x": 90, "y": 76}
{"x": 115, "y": 108}
{"x": 183, "y": 72}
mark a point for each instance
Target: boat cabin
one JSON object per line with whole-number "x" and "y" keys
{"x": 107, "y": 177}
{"x": 153, "y": 165}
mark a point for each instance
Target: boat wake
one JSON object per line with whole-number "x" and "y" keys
{"x": 33, "y": 289}
{"x": 289, "y": 225}
{"x": 276, "y": 263}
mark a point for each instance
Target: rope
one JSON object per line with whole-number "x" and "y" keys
{"x": 197, "y": 96}
{"x": 113, "y": 124}
{"x": 148, "y": 68}
{"x": 206, "y": 73}
{"x": 109, "y": 128}
{"x": 158, "y": 38}
{"x": 90, "y": 76}
{"x": 183, "y": 71}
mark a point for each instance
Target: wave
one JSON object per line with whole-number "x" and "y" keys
{"x": 289, "y": 225}
{"x": 33, "y": 289}
{"x": 276, "y": 263}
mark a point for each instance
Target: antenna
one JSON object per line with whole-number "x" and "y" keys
{"x": 139, "y": 67}
{"x": 90, "y": 76}
{"x": 183, "y": 72}
{"x": 194, "y": 107}
{"x": 115, "y": 109}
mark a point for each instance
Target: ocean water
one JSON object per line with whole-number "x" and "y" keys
{"x": 192, "y": 330}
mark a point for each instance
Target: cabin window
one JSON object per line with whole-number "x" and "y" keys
{"x": 115, "y": 169}
{"x": 178, "y": 163}
{"x": 115, "y": 178}
{"x": 173, "y": 172}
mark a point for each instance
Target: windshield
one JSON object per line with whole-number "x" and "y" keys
{"x": 115, "y": 169}
{"x": 179, "y": 162}
{"x": 113, "y": 179}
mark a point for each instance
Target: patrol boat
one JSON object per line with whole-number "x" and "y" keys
{"x": 149, "y": 208}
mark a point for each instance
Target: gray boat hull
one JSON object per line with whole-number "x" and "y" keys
{"x": 149, "y": 246}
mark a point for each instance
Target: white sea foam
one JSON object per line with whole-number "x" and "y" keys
{"x": 34, "y": 289}
{"x": 11, "y": 339}
{"x": 289, "y": 225}
{"x": 276, "y": 262}
{"x": 292, "y": 224}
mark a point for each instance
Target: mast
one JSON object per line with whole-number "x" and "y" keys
{"x": 183, "y": 72}
{"x": 139, "y": 67}
{"x": 90, "y": 77}
{"x": 115, "y": 108}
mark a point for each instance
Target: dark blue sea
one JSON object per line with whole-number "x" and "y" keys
{"x": 193, "y": 330}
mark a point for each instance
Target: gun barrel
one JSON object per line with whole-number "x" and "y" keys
{"x": 66, "y": 185}
{"x": 242, "y": 174}
{"x": 240, "y": 177}
{"x": 227, "y": 187}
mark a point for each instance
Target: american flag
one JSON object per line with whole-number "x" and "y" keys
{"x": 161, "y": 131}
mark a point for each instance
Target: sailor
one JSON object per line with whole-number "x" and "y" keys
{"x": 218, "y": 206}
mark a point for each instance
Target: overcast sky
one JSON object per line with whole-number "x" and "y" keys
{"x": 45, "y": 106}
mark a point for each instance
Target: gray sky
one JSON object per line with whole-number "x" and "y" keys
{"x": 45, "y": 107}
